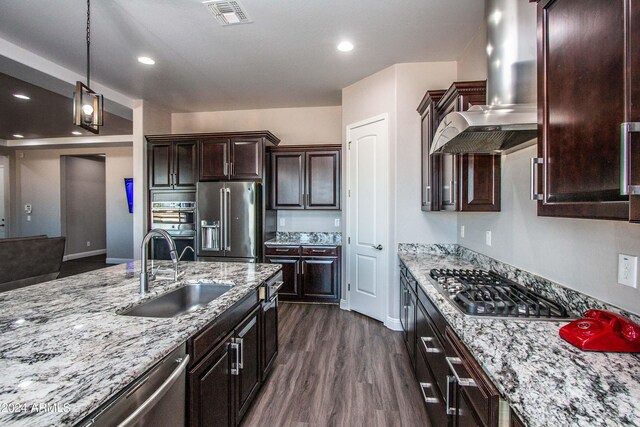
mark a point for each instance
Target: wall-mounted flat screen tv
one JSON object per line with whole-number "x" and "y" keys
{"x": 128, "y": 187}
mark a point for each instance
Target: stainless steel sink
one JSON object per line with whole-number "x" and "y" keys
{"x": 179, "y": 301}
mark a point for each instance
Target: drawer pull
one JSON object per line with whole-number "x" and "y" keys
{"x": 320, "y": 251}
{"x": 450, "y": 410}
{"x": 464, "y": 382}
{"x": 282, "y": 250}
{"x": 427, "y": 348}
{"x": 423, "y": 386}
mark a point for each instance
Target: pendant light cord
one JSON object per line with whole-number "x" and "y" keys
{"x": 88, "y": 43}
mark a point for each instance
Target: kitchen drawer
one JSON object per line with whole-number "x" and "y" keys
{"x": 282, "y": 250}
{"x": 433, "y": 312}
{"x": 482, "y": 397}
{"x": 320, "y": 250}
{"x": 432, "y": 399}
{"x": 433, "y": 349}
{"x": 200, "y": 345}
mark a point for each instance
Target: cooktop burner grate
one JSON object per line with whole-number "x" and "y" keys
{"x": 483, "y": 293}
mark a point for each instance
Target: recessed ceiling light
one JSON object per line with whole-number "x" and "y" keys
{"x": 146, "y": 60}
{"x": 17, "y": 135}
{"x": 21, "y": 96}
{"x": 345, "y": 46}
{"x": 75, "y": 132}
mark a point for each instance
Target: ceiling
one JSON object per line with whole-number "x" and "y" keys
{"x": 46, "y": 115}
{"x": 286, "y": 58}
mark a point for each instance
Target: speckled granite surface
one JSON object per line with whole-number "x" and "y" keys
{"x": 63, "y": 345}
{"x": 546, "y": 380}
{"x": 300, "y": 238}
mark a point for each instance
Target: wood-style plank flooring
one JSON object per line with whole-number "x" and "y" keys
{"x": 82, "y": 265}
{"x": 337, "y": 368}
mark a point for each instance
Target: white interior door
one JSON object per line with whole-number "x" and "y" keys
{"x": 3, "y": 227}
{"x": 367, "y": 226}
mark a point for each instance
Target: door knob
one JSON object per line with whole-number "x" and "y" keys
{"x": 379, "y": 247}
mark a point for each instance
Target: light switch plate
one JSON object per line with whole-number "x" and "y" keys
{"x": 628, "y": 270}
{"x": 487, "y": 237}
{"x": 336, "y": 222}
{"x": 282, "y": 222}
{"x": 462, "y": 231}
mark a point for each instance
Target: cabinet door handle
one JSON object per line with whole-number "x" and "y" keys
{"x": 225, "y": 169}
{"x": 625, "y": 146}
{"x": 451, "y": 192}
{"x": 464, "y": 382}
{"x": 535, "y": 161}
{"x": 235, "y": 368}
{"x": 231, "y": 168}
{"x": 424, "y": 386}
{"x": 428, "y": 194}
{"x": 427, "y": 348}
{"x": 450, "y": 410}
{"x": 240, "y": 342}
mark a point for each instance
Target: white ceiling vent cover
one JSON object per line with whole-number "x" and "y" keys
{"x": 227, "y": 12}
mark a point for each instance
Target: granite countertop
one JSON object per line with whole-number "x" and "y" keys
{"x": 64, "y": 349}
{"x": 306, "y": 239}
{"x": 546, "y": 380}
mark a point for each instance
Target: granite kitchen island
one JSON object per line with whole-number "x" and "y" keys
{"x": 66, "y": 350}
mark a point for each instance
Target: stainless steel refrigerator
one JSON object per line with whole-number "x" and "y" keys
{"x": 229, "y": 223}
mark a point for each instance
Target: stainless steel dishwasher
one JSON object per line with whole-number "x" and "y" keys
{"x": 157, "y": 398}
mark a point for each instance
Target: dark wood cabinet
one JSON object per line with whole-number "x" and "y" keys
{"x": 230, "y": 358}
{"x": 287, "y": 180}
{"x": 456, "y": 182}
{"x": 430, "y": 176}
{"x": 290, "y": 274}
{"x": 231, "y": 158}
{"x": 320, "y": 278}
{"x": 210, "y": 385}
{"x": 214, "y": 159}
{"x": 172, "y": 165}
{"x": 583, "y": 98}
{"x": 515, "y": 420}
{"x": 247, "y": 338}
{"x": 455, "y": 389}
{"x": 304, "y": 177}
{"x": 310, "y": 273}
{"x": 270, "y": 335}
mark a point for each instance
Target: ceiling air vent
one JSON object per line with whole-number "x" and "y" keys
{"x": 227, "y": 12}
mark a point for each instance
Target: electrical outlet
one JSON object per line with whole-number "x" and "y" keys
{"x": 462, "y": 231}
{"x": 282, "y": 222}
{"x": 88, "y": 243}
{"x": 336, "y": 222}
{"x": 628, "y": 270}
{"x": 487, "y": 237}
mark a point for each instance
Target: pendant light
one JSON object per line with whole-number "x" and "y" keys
{"x": 87, "y": 105}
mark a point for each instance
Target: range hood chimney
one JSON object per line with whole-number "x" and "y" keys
{"x": 509, "y": 122}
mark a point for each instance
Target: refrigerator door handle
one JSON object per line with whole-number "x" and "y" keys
{"x": 223, "y": 225}
{"x": 227, "y": 213}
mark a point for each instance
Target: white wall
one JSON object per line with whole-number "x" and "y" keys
{"x": 294, "y": 126}
{"x": 37, "y": 182}
{"x": 579, "y": 254}
{"x": 397, "y": 90}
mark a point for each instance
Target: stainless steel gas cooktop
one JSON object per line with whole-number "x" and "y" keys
{"x": 485, "y": 293}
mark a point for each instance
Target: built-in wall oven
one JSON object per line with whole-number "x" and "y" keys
{"x": 178, "y": 219}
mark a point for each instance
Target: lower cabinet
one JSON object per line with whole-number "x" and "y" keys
{"x": 231, "y": 358}
{"x": 310, "y": 273}
{"x": 455, "y": 390}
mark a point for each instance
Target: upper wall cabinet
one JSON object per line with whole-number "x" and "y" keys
{"x": 239, "y": 157}
{"x": 304, "y": 177}
{"x": 585, "y": 97}
{"x": 172, "y": 165}
{"x": 456, "y": 182}
{"x": 430, "y": 164}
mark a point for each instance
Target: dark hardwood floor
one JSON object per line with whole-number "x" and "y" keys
{"x": 82, "y": 265}
{"x": 337, "y": 368}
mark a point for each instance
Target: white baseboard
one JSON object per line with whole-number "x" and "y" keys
{"x": 84, "y": 254}
{"x": 344, "y": 305}
{"x": 393, "y": 324}
{"x": 118, "y": 260}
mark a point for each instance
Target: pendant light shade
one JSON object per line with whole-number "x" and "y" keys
{"x": 87, "y": 105}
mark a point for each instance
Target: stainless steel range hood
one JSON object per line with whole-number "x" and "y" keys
{"x": 509, "y": 122}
